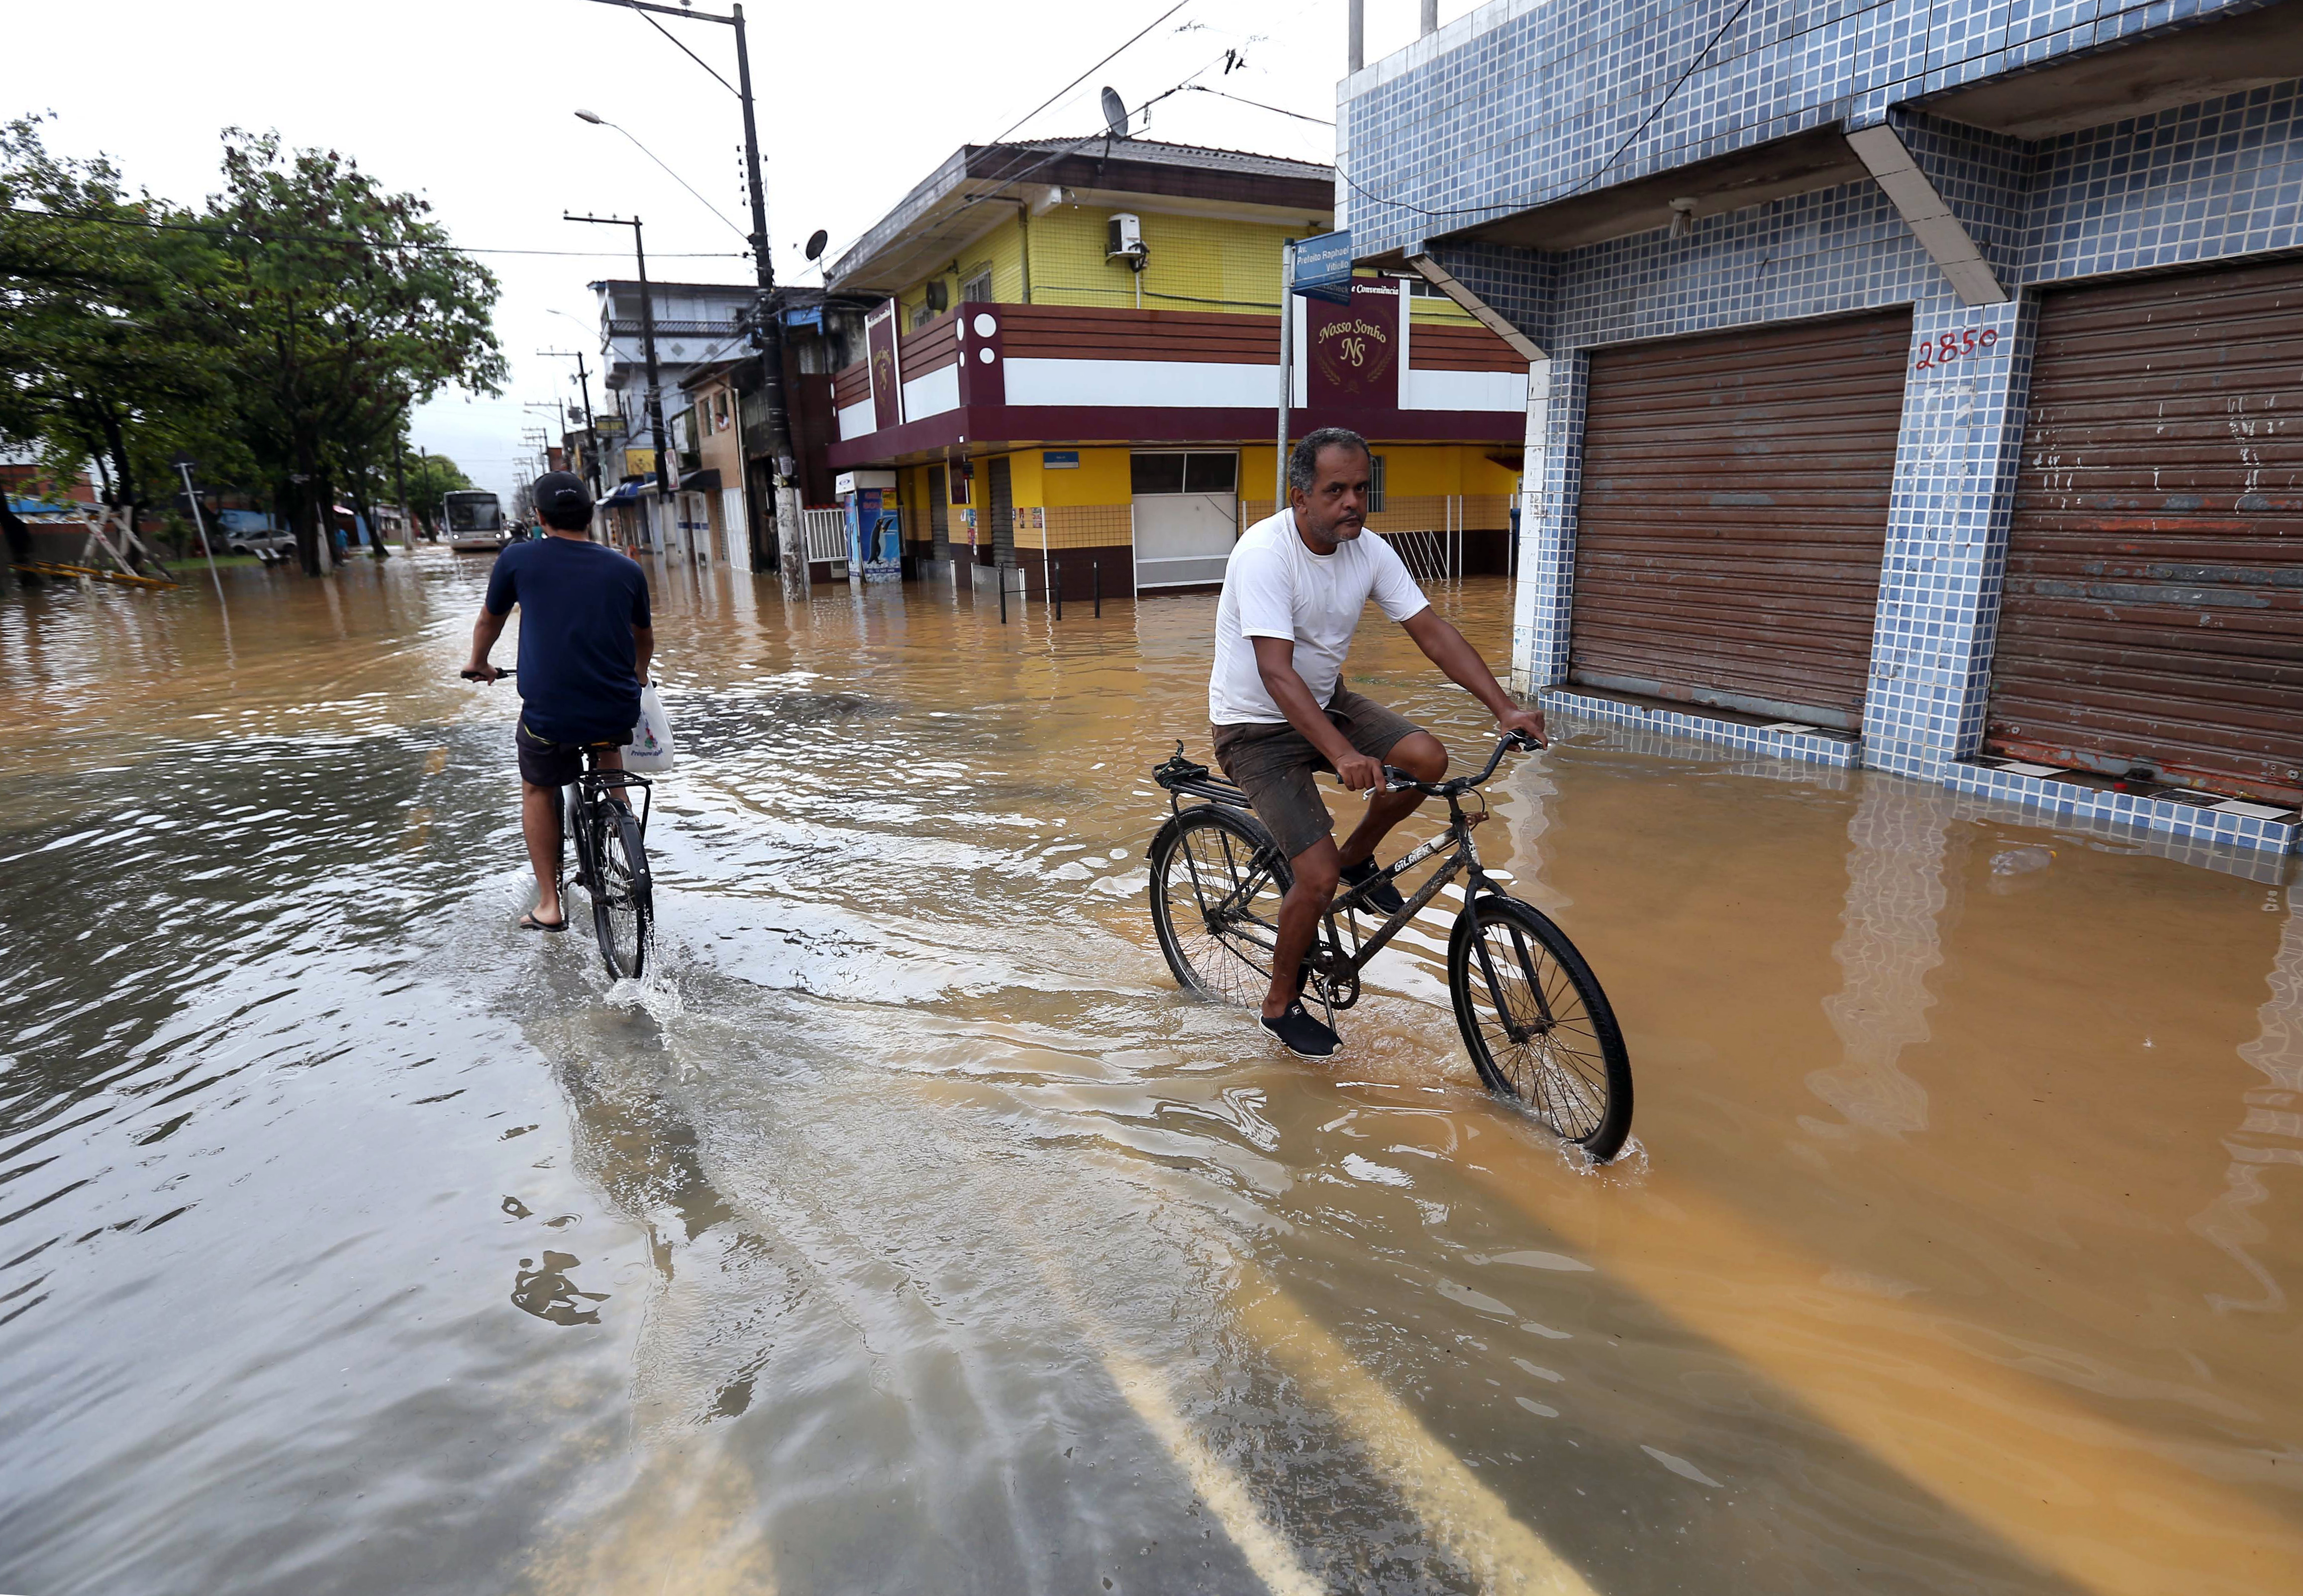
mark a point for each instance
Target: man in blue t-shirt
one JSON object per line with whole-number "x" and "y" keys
{"x": 584, "y": 643}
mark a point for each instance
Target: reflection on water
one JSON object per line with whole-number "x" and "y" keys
{"x": 908, "y": 1231}
{"x": 1896, "y": 891}
{"x": 2270, "y": 1132}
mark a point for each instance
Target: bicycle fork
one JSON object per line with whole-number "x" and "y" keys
{"x": 1517, "y": 1031}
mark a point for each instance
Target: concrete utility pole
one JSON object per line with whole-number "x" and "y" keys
{"x": 591, "y": 421}
{"x": 647, "y": 340}
{"x": 1355, "y": 48}
{"x": 791, "y": 550}
{"x": 407, "y": 510}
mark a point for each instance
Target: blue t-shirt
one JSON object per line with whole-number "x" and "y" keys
{"x": 578, "y": 672}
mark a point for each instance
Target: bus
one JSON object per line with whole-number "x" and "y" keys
{"x": 474, "y": 521}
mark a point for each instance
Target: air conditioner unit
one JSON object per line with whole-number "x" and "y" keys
{"x": 1127, "y": 239}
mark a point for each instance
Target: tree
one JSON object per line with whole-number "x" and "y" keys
{"x": 108, "y": 352}
{"x": 352, "y": 308}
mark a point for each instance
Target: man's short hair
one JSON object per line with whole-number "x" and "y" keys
{"x": 561, "y": 502}
{"x": 1303, "y": 459}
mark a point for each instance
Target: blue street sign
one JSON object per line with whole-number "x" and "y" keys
{"x": 1323, "y": 267}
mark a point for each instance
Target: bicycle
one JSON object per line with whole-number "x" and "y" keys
{"x": 609, "y": 841}
{"x": 1532, "y": 1016}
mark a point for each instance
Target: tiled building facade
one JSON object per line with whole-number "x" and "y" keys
{"x": 1525, "y": 109}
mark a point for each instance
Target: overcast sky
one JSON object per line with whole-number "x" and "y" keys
{"x": 471, "y": 104}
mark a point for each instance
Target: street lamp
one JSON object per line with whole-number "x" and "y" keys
{"x": 598, "y": 121}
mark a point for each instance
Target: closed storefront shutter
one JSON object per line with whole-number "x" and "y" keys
{"x": 1002, "y": 511}
{"x": 2152, "y": 612}
{"x": 1733, "y": 514}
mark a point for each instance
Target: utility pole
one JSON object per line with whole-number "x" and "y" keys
{"x": 424, "y": 464}
{"x": 791, "y": 552}
{"x": 648, "y": 337}
{"x": 407, "y": 510}
{"x": 591, "y": 420}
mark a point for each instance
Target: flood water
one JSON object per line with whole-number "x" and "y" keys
{"x": 913, "y": 1233}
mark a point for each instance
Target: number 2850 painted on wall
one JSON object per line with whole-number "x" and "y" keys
{"x": 1950, "y": 346}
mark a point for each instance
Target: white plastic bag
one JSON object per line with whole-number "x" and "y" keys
{"x": 650, "y": 750}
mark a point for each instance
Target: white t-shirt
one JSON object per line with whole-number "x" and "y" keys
{"x": 1276, "y": 588}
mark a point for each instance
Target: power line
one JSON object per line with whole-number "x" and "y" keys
{"x": 340, "y": 238}
{"x": 1258, "y": 104}
{"x": 684, "y": 50}
{"x": 1091, "y": 72}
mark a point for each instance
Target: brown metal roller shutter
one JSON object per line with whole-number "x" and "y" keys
{"x": 2153, "y": 614}
{"x": 1733, "y": 514}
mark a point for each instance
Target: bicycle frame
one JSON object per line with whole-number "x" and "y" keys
{"x": 1181, "y": 776}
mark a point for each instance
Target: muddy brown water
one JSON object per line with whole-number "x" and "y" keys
{"x": 914, "y": 1234}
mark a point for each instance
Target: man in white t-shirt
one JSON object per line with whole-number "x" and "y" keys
{"x": 1292, "y": 595}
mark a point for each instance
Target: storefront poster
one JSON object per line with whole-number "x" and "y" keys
{"x": 875, "y": 545}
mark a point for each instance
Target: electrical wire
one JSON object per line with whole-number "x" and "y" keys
{"x": 1091, "y": 72}
{"x": 1596, "y": 173}
{"x": 1258, "y": 104}
{"x": 683, "y": 49}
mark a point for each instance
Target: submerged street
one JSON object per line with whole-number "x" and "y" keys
{"x": 909, "y": 1230}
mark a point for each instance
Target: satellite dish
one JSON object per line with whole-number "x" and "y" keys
{"x": 816, "y": 241}
{"x": 1115, "y": 113}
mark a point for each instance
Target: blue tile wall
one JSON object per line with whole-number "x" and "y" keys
{"x": 1525, "y": 102}
{"x": 1528, "y": 101}
{"x": 1948, "y": 516}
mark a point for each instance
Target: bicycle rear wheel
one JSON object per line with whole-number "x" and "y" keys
{"x": 1216, "y": 880}
{"x": 1535, "y": 1024}
{"x": 623, "y": 894}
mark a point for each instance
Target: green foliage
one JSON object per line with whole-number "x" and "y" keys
{"x": 280, "y": 333}
{"x": 108, "y": 350}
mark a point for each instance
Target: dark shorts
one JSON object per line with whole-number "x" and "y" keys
{"x": 544, "y": 764}
{"x": 1274, "y": 764}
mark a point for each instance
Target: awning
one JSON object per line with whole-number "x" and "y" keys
{"x": 626, "y": 493}
{"x": 706, "y": 481}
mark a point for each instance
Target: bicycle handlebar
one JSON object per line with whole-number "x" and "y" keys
{"x": 1399, "y": 781}
{"x": 476, "y": 676}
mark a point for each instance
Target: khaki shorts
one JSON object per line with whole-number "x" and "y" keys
{"x": 1274, "y": 764}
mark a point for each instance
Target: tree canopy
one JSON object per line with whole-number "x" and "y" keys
{"x": 281, "y": 332}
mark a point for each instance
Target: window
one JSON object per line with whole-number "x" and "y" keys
{"x": 922, "y": 314}
{"x": 1375, "y": 483}
{"x": 1210, "y": 473}
{"x": 977, "y": 288}
{"x": 1181, "y": 473}
{"x": 1155, "y": 474}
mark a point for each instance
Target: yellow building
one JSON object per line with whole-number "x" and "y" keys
{"x": 1073, "y": 370}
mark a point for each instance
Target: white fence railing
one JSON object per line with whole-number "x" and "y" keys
{"x": 827, "y": 534}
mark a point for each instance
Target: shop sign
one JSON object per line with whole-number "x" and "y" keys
{"x": 1354, "y": 349}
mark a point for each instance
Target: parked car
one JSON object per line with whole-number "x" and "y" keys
{"x": 267, "y": 547}
{"x": 251, "y": 532}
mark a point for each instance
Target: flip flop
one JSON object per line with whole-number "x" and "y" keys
{"x": 528, "y": 922}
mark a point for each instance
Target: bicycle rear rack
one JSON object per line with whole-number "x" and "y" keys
{"x": 1181, "y": 775}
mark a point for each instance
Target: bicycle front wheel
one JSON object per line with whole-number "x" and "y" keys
{"x": 623, "y": 895}
{"x": 1535, "y": 1024}
{"x": 1216, "y": 880}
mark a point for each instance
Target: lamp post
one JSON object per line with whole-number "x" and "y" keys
{"x": 792, "y": 556}
{"x": 647, "y": 340}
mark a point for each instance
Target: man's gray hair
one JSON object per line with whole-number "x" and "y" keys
{"x": 1303, "y": 459}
